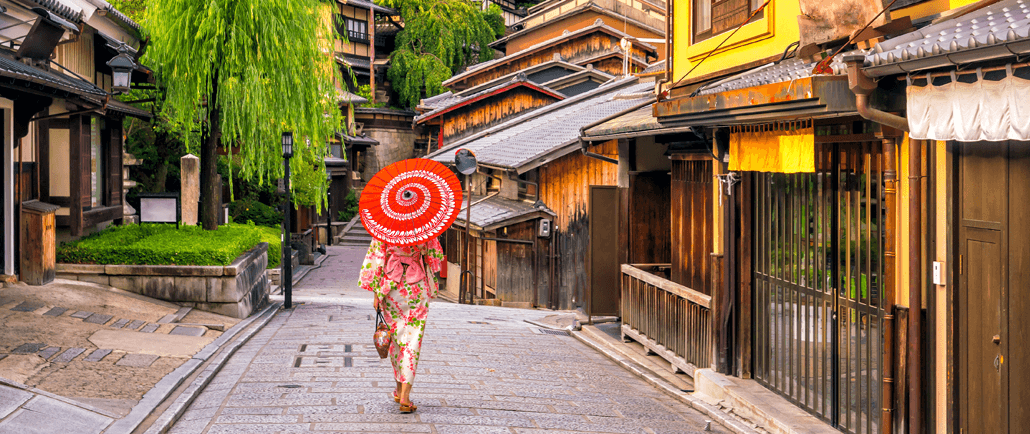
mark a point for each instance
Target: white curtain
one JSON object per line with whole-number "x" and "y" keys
{"x": 980, "y": 111}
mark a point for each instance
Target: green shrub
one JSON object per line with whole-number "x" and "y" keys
{"x": 272, "y": 236}
{"x": 156, "y": 244}
{"x": 250, "y": 210}
{"x": 350, "y": 207}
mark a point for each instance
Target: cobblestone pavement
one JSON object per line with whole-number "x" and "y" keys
{"x": 482, "y": 370}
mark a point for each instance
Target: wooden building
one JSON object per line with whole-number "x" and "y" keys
{"x": 452, "y": 116}
{"x": 549, "y": 19}
{"x": 364, "y": 53}
{"x": 62, "y": 141}
{"x": 538, "y": 152}
{"x": 598, "y": 44}
{"x": 860, "y": 256}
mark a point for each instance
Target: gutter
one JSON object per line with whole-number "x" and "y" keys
{"x": 862, "y": 85}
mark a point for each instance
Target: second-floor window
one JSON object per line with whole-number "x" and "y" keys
{"x": 357, "y": 30}
{"x": 712, "y": 17}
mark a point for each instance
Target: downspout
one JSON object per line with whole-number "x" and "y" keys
{"x": 890, "y": 196}
{"x": 915, "y": 288}
{"x": 862, "y": 86}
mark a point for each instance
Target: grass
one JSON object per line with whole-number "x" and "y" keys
{"x": 157, "y": 244}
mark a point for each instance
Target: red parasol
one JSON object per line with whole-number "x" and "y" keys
{"x": 410, "y": 202}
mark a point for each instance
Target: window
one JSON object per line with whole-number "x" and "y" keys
{"x": 356, "y": 30}
{"x": 96, "y": 167}
{"x": 712, "y": 17}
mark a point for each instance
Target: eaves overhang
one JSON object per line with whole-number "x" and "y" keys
{"x": 809, "y": 97}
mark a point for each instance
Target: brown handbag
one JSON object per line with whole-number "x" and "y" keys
{"x": 381, "y": 337}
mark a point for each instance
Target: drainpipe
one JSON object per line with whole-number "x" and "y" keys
{"x": 890, "y": 196}
{"x": 915, "y": 288}
{"x": 862, "y": 86}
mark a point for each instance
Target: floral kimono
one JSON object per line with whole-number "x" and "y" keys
{"x": 404, "y": 278}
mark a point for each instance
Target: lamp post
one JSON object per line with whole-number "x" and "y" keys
{"x": 287, "y": 275}
{"x": 329, "y": 206}
{"x": 122, "y": 66}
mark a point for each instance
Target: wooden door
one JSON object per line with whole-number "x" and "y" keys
{"x": 603, "y": 260}
{"x": 994, "y": 254}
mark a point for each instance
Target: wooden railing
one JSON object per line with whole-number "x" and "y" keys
{"x": 668, "y": 318}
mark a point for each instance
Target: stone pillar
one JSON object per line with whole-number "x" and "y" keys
{"x": 128, "y": 212}
{"x": 189, "y": 165}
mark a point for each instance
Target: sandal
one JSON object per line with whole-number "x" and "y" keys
{"x": 408, "y": 408}
{"x": 395, "y": 398}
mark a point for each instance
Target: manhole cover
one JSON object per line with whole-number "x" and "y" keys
{"x": 289, "y": 386}
{"x": 554, "y": 332}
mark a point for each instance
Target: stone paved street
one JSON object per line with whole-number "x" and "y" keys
{"x": 482, "y": 370}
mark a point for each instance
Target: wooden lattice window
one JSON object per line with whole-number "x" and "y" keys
{"x": 712, "y": 17}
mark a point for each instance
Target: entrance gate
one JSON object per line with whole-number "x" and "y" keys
{"x": 818, "y": 248}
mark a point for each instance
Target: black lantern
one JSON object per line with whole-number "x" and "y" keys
{"x": 287, "y": 145}
{"x": 122, "y": 66}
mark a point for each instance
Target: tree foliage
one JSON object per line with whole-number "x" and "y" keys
{"x": 440, "y": 38}
{"x": 259, "y": 68}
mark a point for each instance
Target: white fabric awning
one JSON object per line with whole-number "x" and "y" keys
{"x": 985, "y": 110}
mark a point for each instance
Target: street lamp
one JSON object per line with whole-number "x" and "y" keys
{"x": 122, "y": 66}
{"x": 329, "y": 205}
{"x": 287, "y": 274}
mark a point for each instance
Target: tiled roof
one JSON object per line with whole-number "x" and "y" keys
{"x": 495, "y": 210}
{"x": 354, "y": 62}
{"x": 357, "y": 140}
{"x": 117, "y": 15}
{"x": 537, "y": 137}
{"x": 372, "y": 6}
{"x": 455, "y": 100}
{"x": 787, "y": 70}
{"x": 127, "y": 109}
{"x": 62, "y": 10}
{"x": 654, "y": 68}
{"x": 350, "y": 98}
{"x": 641, "y": 119}
{"x": 997, "y": 31}
{"x": 14, "y": 69}
{"x": 599, "y": 24}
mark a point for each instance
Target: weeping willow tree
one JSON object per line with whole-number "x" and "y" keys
{"x": 440, "y": 38}
{"x": 238, "y": 73}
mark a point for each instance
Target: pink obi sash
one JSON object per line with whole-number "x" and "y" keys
{"x": 395, "y": 268}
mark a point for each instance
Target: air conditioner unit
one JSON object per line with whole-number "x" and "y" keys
{"x": 544, "y": 229}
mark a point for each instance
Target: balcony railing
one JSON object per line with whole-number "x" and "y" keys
{"x": 668, "y": 318}
{"x": 354, "y": 36}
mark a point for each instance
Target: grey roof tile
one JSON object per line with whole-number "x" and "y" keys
{"x": 493, "y": 210}
{"x": 524, "y": 139}
{"x": 456, "y": 99}
{"x": 997, "y": 31}
{"x": 787, "y": 70}
{"x": 11, "y": 68}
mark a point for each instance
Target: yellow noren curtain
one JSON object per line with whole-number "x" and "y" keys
{"x": 773, "y": 151}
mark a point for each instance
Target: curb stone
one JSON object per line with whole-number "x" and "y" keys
{"x": 183, "y": 401}
{"x": 723, "y": 418}
{"x": 153, "y": 398}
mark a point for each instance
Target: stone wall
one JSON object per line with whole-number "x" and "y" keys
{"x": 394, "y": 145}
{"x": 235, "y": 290}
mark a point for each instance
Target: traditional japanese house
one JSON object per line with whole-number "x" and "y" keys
{"x": 536, "y": 157}
{"x": 549, "y": 19}
{"x": 453, "y": 116}
{"x": 829, "y": 217}
{"x": 510, "y": 11}
{"x": 598, "y": 44}
{"x": 364, "y": 54}
{"x": 62, "y": 134}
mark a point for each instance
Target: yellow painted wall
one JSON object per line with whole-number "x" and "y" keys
{"x": 941, "y": 254}
{"x": 757, "y": 40}
{"x": 929, "y": 8}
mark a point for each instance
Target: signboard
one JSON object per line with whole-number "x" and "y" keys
{"x": 159, "y": 208}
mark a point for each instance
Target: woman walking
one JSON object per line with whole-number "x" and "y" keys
{"x": 403, "y": 279}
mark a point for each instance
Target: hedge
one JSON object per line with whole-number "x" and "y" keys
{"x": 157, "y": 244}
